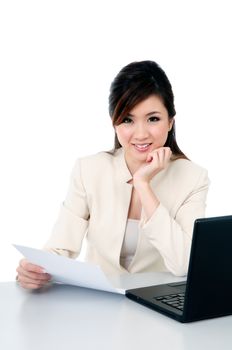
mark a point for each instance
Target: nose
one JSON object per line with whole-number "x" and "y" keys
{"x": 140, "y": 132}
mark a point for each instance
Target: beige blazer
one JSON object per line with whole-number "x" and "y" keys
{"x": 97, "y": 204}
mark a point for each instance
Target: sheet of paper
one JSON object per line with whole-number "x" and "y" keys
{"x": 69, "y": 271}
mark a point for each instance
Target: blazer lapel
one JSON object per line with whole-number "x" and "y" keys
{"x": 122, "y": 199}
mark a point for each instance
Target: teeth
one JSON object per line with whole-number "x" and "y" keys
{"x": 142, "y": 146}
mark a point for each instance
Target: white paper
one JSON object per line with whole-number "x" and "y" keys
{"x": 69, "y": 271}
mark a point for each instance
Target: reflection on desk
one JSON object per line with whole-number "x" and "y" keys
{"x": 62, "y": 317}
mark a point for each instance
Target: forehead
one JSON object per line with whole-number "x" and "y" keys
{"x": 151, "y": 104}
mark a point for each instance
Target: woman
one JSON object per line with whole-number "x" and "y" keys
{"x": 135, "y": 205}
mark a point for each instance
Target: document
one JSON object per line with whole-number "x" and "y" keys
{"x": 69, "y": 271}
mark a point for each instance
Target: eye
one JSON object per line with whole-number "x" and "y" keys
{"x": 127, "y": 120}
{"x": 153, "y": 119}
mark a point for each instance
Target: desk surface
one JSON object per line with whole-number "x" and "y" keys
{"x": 63, "y": 317}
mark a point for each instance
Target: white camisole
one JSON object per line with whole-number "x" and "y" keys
{"x": 130, "y": 241}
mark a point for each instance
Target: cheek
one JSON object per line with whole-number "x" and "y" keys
{"x": 161, "y": 131}
{"x": 123, "y": 134}
{"x": 160, "y": 134}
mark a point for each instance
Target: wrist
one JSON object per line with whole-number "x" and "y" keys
{"x": 140, "y": 184}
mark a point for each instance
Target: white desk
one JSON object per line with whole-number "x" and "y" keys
{"x": 66, "y": 317}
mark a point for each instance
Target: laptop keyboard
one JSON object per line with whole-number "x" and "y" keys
{"x": 173, "y": 300}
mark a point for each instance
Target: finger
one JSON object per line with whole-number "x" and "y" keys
{"x": 164, "y": 154}
{"x": 161, "y": 156}
{"x": 33, "y": 275}
{"x": 26, "y": 265}
{"x": 26, "y": 282}
{"x": 155, "y": 158}
{"x": 30, "y": 285}
{"x": 167, "y": 154}
{"x": 149, "y": 158}
{"x": 167, "y": 148}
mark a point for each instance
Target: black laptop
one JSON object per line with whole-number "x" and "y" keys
{"x": 207, "y": 293}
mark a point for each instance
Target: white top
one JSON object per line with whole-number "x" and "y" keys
{"x": 130, "y": 241}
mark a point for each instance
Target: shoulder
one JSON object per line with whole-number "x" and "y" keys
{"x": 186, "y": 165}
{"x": 96, "y": 160}
{"x": 188, "y": 171}
{"x": 90, "y": 166}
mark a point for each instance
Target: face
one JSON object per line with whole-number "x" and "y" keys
{"x": 143, "y": 130}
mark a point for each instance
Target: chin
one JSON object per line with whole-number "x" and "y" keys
{"x": 140, "y": 157}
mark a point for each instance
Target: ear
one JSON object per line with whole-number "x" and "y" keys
{"x": 171, "y": 122}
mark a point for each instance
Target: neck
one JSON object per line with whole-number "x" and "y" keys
{"x": 133, "y": 166}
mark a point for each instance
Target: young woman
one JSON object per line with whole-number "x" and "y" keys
{"x": 135, "y": 205}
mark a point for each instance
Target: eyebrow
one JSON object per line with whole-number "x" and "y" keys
{"x": 147, "y": 115}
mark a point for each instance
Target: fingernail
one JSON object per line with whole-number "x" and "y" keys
{"x": 43, "y": 271}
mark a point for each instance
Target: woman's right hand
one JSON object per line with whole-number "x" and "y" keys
{"x": 31, "y": 276}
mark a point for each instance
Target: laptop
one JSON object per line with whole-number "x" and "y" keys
{"x": 207, "y": 292}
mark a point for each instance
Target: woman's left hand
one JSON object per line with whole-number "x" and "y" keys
{"x": 156, "y": 161}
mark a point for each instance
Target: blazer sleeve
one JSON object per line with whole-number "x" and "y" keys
{"x": 72, "y": 222}
{"x": 172, "y": 235}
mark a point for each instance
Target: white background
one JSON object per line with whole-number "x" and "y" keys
{"x": 57, "y": 60}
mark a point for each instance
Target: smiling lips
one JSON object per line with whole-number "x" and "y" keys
{"x": 142, "y": 147}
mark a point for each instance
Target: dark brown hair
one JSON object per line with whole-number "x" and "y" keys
{"x": 133, "y": 84}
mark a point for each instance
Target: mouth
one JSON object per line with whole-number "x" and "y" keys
{"x": 141, "y": 147}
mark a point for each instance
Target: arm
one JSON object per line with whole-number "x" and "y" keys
{"x": 67, "y": 235}
{"x": 72, "y": 223}
{"x": 156, "y": 161}
{"x": 170, "y": 231}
